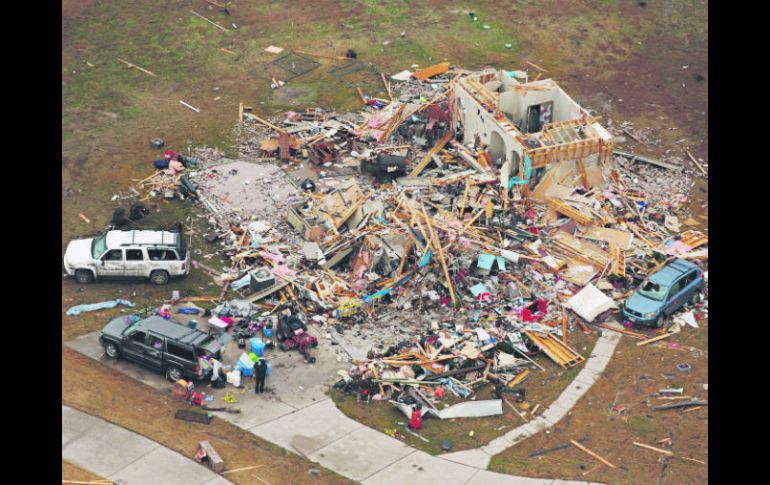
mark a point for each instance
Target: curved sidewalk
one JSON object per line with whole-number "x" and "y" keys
{"x": 323, "y": 434}
{"x": 117, "y": 453}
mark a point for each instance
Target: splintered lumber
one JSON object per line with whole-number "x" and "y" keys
{"x": 533, "y": 454}
{"x": 678, "y": 405}
{"x": 209, "y": 21}
{"x": 696, "y": 163}
{"x": 564, "y": 355}
{"x": 82, "y": 216}
{"x": 564, "y": 325}
{"x": 536, "y": 66}
{"x": 693, "y": 238}
{"x": 267, "y": 123}
{"x": 441, "y": 257}
{"x": 429, "y": 156}
{"x": 314, "y": 54}
{"x": 591, "y": 453}
{"x": 215, "y": 461}
{"x": 659, "y": 450}
{"x": 361, "y": 95}
{"x": 454, "y": 372}
{"x": 569, "y": 211}
{"x": 430, "y": 71}
{"x": 516, "y": 410}
{"x": 387, "y": 86}
{"x": 242, "y": 469}
{"x": 137, "y": 67}
{"x": 189, "y": 106}
{"x": 654, "y": 339}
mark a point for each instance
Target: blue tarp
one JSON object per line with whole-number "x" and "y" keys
{"x": 89, "y": 307}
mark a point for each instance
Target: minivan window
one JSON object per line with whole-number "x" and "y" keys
{"x": 99, "y": 246}
{"x": 134, "y": 255}
{"x": 179, "y": 351}
{"x": 653, "y": 290}
{"x": 114, "y": 255}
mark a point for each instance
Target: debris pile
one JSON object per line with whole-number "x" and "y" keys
{"x": 431, "y": 219}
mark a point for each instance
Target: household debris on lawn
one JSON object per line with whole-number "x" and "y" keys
{"x": 496, "y": 211}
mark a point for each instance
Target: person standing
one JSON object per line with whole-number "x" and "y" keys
{"x": 260, "y": 371}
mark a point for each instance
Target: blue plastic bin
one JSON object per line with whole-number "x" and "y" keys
{"x": 245, "y": 372}
{"x": 267, "y": 332}
{"x": 257, "y": 346}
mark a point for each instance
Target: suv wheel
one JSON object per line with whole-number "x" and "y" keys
{"x": 159, "y": 277}
{"x": 112, "y": 350}
{"x": 84, "y": 276}
{"x": 695, "y": 298}
{"x": 660, "y": 320}
{"x": 173, "y": 373}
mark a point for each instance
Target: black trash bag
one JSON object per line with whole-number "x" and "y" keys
{"x": 138, "y": 211}
{"x": 351, "y": 54}
{"x": 308, "y": 185}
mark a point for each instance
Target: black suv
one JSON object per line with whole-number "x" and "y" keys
{"x": 162, "y": 345}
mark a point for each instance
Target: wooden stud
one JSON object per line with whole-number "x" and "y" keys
{"x": 441, "y": 256}
{"x": 591, "y": 453}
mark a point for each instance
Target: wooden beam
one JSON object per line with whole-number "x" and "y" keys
{"x": 387, "y": 86}
{"x": 696, "y": 163}
{"x": 654, "y": 339}
{"x": 440, "y": 255}
{"x": 659, "y": 450}
{"x": 429, "y": 156}
{"x": 591, "y": 453}
{"x": 209, "y": 21}
{"x": 137, "y": 67}
{"x": 583, "y": 174}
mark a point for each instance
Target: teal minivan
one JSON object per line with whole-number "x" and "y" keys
{"x": 664, "y": 292}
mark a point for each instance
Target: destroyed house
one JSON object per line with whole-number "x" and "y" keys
{"x": 527, "y": 127}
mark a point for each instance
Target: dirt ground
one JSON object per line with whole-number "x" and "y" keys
{"x": 632, "y": 377}
{"x": 125, "y": 402}
{"x": 646, "y": 65}
{"x": 74, "y": 473}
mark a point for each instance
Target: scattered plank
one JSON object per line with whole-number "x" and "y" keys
{"x": 696, "y": 163}
{"x": 591, "y": 453}
{"x": 191, "y": 107}
{"x": 533, "y": 454}
{"x": 242, "y": 469}
{"x": 130, "y": 65}
{"x": 205, "y": 450}
{"x": 536, "y": 66}
{"x": 678, "y": 405}
{"x": 651, "y": 161}
{"x": 337, "y": 58}
{"x": 88, "y": 221}
{"x": 659, "y": 450}
{"x": 209, "y": 21}
{"x": 654, "y": 339}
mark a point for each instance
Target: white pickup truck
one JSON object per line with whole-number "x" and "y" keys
{"x": 153, "y": 254}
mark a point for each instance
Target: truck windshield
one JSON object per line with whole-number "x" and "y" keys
{"x": 99, "y": 246}
{"x": 653, "y": 290}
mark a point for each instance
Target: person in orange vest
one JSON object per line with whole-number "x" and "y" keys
{"x": 416, "y": 423}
